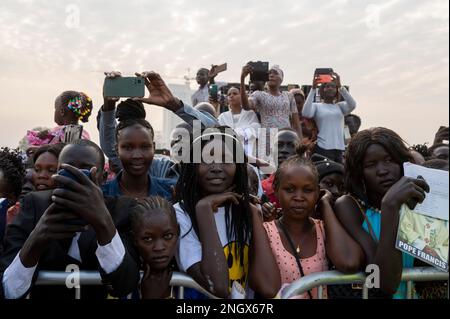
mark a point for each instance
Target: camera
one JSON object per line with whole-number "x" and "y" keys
{"x": 260, "y": 71}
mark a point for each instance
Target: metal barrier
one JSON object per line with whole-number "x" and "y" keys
{"x": 297, "y": 287}
{"x": 320, "y": 279}
{"x": 89, "y": 278}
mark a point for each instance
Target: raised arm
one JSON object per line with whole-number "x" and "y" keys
{"x": 309, "y": 109}
{"x": 107, "y": 125}
{"x": 160, "y": 95}
{"x": 246, "y": 103}
{"x": 349, "y": 104}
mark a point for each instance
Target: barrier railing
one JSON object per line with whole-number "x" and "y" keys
{"x": 321, "y": 279}
{"x": 298, "y": 287}
{"x": 89, "y": 278}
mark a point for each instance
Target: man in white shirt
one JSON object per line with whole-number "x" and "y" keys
{"x": 69, "y": 225}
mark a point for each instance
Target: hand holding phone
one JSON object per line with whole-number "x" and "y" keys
{"x": 66, "y": 173}
{"x": 259, "y": 71}
{"x": 322, "y": 75}
{"x": 216, "y": 69}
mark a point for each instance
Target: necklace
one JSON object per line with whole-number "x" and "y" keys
{"x": 368, "y": 206}
{"x": 283, "y": 226}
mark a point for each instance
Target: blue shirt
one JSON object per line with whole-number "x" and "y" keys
{"x": 407, "y": 260}
{"x": 157, "y": 187}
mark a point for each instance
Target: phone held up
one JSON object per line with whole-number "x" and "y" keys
{"x": 214, "y": 92}
{"x": 325, "y": 75}
{"x": 124, "y": 87}
{"x": 260, "y": 71}
{"x": 220, "y": 68}
{"x": 66, "y": 173}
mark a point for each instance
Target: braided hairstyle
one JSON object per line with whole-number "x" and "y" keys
{"x": 150, "y": 205}
{"x": 299, "y": 159}
{"x": 129, "y": 113}
{"x": 78, "y": 103}
{"x": 238, "y": 218}
{"x": 13, "y": 170}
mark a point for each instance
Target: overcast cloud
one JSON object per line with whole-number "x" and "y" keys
{"x": 392, "y": 53}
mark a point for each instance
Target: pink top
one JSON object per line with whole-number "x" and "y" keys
{"x": 58, "y": 133}
{"x": 286, "y": 261}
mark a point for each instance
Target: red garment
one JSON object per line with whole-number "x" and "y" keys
{"x": 267, "y": 186}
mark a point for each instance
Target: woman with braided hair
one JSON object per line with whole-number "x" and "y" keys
{"x": 135, "y": 148}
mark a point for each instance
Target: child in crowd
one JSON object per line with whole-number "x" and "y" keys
{"x": 223, "y": 245}
{"x": 301, "y": 244}
{"x": 376, "y": 190}
{"x": 70, "y": 108}
{"x": 155, "y": 232}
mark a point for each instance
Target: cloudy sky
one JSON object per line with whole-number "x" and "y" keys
{"x": 394, "y": 54}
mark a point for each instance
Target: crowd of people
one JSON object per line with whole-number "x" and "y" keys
{"x": 261, "y": 188}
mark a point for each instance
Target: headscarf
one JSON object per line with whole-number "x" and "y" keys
{"x": 279, "y": 71}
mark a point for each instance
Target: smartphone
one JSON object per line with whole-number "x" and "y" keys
{"x": 221, "y": 68}
{"x": 213, "y": 92}
{"x": 66, "y": 173}
{"x": 325, "y": 74}
{"x": 124, "y": 87}
{"x": 260, "y": 71}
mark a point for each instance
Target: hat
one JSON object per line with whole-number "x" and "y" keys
{"x": 327, "y": 167}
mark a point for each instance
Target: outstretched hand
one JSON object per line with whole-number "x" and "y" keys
{"x": 109, "y": 102}
{"x": 159, "y": 93}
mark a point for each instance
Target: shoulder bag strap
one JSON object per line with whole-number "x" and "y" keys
{"x": 297, "y": 257}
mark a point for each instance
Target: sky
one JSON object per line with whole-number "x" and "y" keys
{"x": 394, "y": 54}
